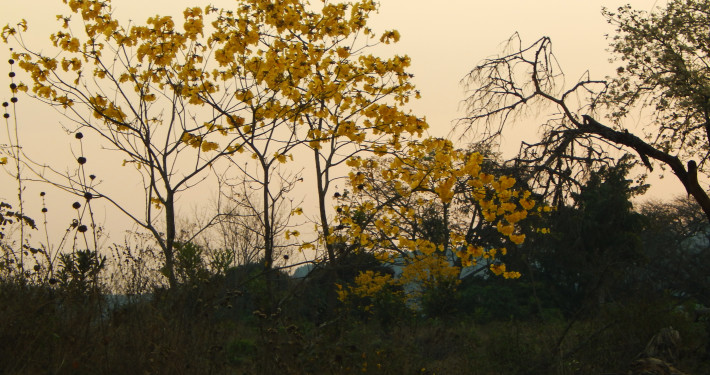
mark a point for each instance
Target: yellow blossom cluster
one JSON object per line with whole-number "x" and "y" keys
{"x": 432, "y": 170}
{"x": 422, "y": 273}
{"x": 198, "y": 142}
{"x": 157, "y": 202}
{"x": 366, "y": 286}
{"x": 499, "y": 269}
{"x": 428, "y": 272}
{"x": 387, "y": 214}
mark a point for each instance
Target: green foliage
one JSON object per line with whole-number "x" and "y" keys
{"x": 79, "y": 271}
{"x": 186, "y": 330}
{"x": 593, "y": 244}
{"x": 489, "y": 300}
{"x": 664, "y": 58}
{"x": 440, "y": 301}
{"x": 676, "y": 242}
{"x": 249, "y": 288}
{"x": 372, "y": 296}
{"x": 239, "y": 352}
{"x": 222, "y": 260}
{"x": 190, "y": 264}
{"x": 318, "y": 299}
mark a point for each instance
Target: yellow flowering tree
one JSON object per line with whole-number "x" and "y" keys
{"x": 130, "y": 86}
{"x": 425, "y": 208}
{"x": 358, "y": 101}
{"x": 255, "y": 82}
{"x": 302, "y": 77}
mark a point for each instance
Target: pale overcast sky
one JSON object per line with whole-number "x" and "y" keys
{"x": 445, "y": 39}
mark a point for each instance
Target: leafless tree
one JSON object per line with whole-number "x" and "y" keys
{"x": 573, "y": 141}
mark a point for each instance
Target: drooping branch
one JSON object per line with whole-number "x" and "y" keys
{"x": 572, "y": 143}
{"x": 688, "y": 177}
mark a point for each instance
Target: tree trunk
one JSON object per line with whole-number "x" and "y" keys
{"x": 170, "y": 239}
{"x": 322, "y": 191}
{"x": 268, "y": 233}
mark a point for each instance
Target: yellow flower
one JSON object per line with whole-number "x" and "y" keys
{"x": 426, "y": 247}
{"x": 517, "y": 238}
{"x": 486, "y": 178}
{"x": 511, "y": 275}
{"x": 314, "y": 145}
{"x": 343, "y": 52}
{"x": 475, "y": 251}
{"x": 353, "y": 162}
{"x": 527, "y": 204}
{"x": 209, "y": 146}
{"x": 157, "y": 202}
{"x": 489, "y": 216}
{"x": 390, "y": 36}
{"x": 445, "y": 190}
{"x": 306, "y": 246}
{"x": 498, "y": 269}
{"x": 506, "y": 182}
{"x": 505, "y": 230}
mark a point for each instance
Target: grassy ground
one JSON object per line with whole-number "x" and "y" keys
{"x": 199, "y": 330}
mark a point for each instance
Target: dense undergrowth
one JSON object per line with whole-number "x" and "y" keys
{"x": 229, "y": 325}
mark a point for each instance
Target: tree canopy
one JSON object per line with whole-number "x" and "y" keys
{"x": 263, "y": 79}
{"x": 249, "y": 87}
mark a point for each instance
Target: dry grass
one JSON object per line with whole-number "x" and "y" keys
{"x": 215, "y": 328}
